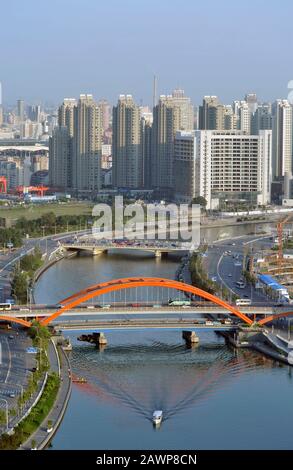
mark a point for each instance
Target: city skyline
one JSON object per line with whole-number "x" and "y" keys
{"x": 108, "y": 61}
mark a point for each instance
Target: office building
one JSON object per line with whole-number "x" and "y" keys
{"x": 233, "y": 167}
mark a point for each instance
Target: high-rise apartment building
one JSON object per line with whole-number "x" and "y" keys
{"x": 60, "y": 158}
{"x": 87, "y": 145}
{"x": 127, "y": 163}
{"x": 172, "y": 113}
{"x": 66, "y": 114}
{"x": 282, "y": 138}
{"x": 185, "y": 166}
{"x": 20, "y": 110}
{"x": 76, "y": 146}
{"x": 233, "y": 166}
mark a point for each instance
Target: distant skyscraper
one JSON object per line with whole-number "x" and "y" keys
{"x": 243, "y": 115}
{"x": 66, "y": 114}
{"x": 186, "y": 110}
{"x": 282, "y": 138}
{"x": 105, "y": 113}
{"x": 208, "y": 113}
{"x": 20, "y": 110}
{"x": 251, "y": 100}
{"x": 127, "y": 153}
{"x": 262, "y": 118}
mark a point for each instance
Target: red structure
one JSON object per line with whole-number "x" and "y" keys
{"x": 3, "y": 184}
{"x": 39, "y": 190}
{"x": 129, "y": 283}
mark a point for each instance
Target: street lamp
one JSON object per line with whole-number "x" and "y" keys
{"x": 6, "y": 403}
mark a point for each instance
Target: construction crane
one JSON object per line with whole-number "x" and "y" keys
{"x": 280, "y": 227}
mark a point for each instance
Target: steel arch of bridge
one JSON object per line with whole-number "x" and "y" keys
{"x": 276, "y": 316}
{"x": 20, "y": 321}
{"x": 129, "y": 283}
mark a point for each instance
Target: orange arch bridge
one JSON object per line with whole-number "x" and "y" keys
{"x": 276, "y": 316}
{"x": 129, "y": 283}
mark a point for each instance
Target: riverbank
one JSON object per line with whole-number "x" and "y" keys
{"x": 60, "y": 365}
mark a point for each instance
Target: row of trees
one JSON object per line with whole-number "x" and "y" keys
{"x": 23, "y": 275}
{"x": 49, "y": 223}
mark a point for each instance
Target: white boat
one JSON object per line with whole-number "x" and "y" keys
{"x": 157, "y": 417}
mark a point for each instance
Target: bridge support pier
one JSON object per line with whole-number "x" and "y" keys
{"x": 97, "y": 338}
{"x": 96, "y": 251}
{"x": 190, "y": 337}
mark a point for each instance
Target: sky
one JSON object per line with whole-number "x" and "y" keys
{"x": 61, "y": 48}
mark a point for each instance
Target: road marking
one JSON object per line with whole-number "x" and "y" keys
{"x": 9, "y": 365}
{"x": 218, "y": 272}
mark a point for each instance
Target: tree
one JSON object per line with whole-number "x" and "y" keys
{"x": 200, "y": 200}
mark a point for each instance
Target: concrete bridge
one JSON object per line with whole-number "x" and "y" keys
{"x": 151, "y": 324}
{"x": 96, "y": 248}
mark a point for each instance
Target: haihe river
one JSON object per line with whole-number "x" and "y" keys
{"x": 212, "y": 397}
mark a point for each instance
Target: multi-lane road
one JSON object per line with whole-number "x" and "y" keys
{"x": 224, "y": 264}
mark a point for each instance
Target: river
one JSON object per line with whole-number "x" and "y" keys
{"x": 212, "y": 396}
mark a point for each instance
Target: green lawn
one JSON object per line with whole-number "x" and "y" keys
{"x": 34, "y": 211}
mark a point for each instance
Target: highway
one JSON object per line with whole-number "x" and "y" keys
{"x": 224, "y": 260}
{"x": 15, "y": 366}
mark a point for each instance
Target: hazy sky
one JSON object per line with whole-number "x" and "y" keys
{"x": 61, "y": 48}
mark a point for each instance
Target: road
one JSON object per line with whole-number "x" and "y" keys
{"x": 224, "y": 263}
{"x": 15, "y": 366}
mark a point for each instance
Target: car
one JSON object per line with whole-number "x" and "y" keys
{"x": 229, "y": 275}
{"x": 12, "y": 395}
{"x": 90, "y": 306}
{"x": 11, "y": 337}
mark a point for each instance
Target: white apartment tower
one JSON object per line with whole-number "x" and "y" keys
{"x": 282, "y": 138}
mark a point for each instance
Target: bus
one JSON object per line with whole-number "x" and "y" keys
{"x": 243, "y": 302}
{"x": 240, "y": 284}
{"x": 6, "y": 306}
{"x": 180, "y": 303}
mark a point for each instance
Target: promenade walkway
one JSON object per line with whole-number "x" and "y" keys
{"x": 41, "y": 436}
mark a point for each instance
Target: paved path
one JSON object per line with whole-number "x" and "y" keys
{"x": 41, "y": 436}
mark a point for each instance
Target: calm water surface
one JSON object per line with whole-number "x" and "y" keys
{"x": 212, "y": 397}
